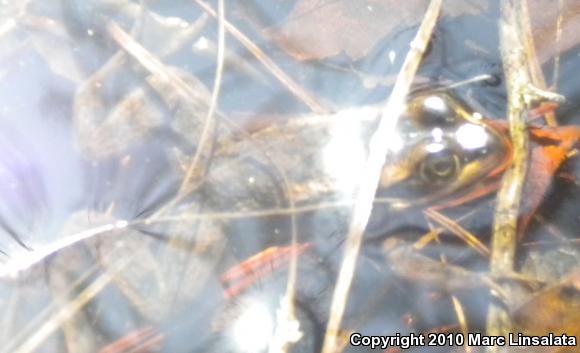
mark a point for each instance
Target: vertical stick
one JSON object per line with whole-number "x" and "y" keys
{"x": 522, "y": 94}
{"x": 509, "y": 197}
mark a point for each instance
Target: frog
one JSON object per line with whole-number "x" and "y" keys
{"x": 434, "y": 166}
{"x": 464, "y": 154}
{"x": 104, "y": 130}
{"x": 442, "y": 150}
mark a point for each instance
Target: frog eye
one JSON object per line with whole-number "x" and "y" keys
{"x": 432, "y": 110}
{"x": 439, "y": 165}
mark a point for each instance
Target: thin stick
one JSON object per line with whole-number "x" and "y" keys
{"x": 154, "y": 65}
{"x": 462, "y": 321}
{"x": 26, "y": 260}
{"x": 508, "y": 201}
{"x": 521, "y": 95}
{"x": 455, "y": 228}
{"x": 536, "y": 74}
{"x": 201, "y": 159}
{"x": 378, "y": 151}
{"x": 14, "y": 266}
{"x": 262, "y": 57}
{"x": 459, "y": 312}
{"x": 205, "y": 144}
{"x": 558, "y": 44}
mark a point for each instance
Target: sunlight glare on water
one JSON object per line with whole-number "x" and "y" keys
{"x": 344, "y": 155}
{"x": 253, "y": 329}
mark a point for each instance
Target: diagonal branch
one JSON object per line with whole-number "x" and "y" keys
{"x": 378, "y": 149}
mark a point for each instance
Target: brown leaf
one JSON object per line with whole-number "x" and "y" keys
{"x": 555, "y": 309}
{"x": 318, "y": 29}
{"x": 544, "y": 15}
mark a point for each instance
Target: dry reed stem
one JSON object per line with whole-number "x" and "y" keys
{"x": 378, "y": 150}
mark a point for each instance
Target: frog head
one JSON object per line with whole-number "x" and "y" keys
{"x": 441, "y": 148}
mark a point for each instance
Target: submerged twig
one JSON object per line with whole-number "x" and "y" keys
{"x": 455, "y": 228}
{"x": 536, "y": 75}
{"x": 292, "y": 86}
{"x": 378, "y": 150}
{"x": 558, "y": 43}
{"x": 509, "y": 196}
{"x": 520, "y": 96}
{"x": 153, "y": 65}
{"x": 24, "y": 261}
{"x": 205, "y": 144}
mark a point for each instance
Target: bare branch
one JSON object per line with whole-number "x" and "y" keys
{"x": 521, "y": 95}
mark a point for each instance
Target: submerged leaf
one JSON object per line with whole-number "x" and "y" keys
{"x": 544, "y": 16}
{"x": 318, "y": 29}
{"x": 555, "y": 309}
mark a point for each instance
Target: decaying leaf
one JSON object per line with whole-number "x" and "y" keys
{"x": 318, "y": 29}
{"x": 544, "y": 16}
{"x": 556, "y": 309}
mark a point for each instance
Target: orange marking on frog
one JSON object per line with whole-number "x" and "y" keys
{"x": 550, "y": 147}
{"x": 145, "y": 340}
{"x": 244, "y": 275}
